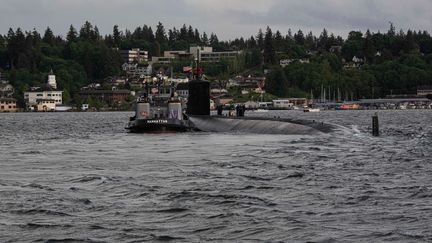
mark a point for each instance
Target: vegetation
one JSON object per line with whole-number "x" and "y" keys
{"x": 394, "y": 62}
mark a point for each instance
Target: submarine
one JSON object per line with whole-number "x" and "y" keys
{"x": 164, "y": 113}
{"x": 198, "y": 113}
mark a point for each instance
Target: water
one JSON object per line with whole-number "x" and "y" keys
{"x": 79, "y": 177}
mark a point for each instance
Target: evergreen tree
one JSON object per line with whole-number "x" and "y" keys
{"x": 204, "y": 39}
{"x": 214, "y": 41}
{"x": 49, "y": 37}
{"x": 117, "y": 36}
{"x": 269, "y": 49}
{"x": 161, "y": 34}
{"x": 299, "y": 38}
{"x": 278, "y": 41}
{"x": 72, "y": 35}
{"x": 260, "y": 39}
{"x": 277, "y": 83}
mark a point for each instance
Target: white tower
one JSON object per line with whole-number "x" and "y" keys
{"x": 52, "y": 80}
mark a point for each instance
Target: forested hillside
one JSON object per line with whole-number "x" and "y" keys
{"x": 393, "y": 62}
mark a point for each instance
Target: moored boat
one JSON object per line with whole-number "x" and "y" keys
{"x": 348, "y": 107}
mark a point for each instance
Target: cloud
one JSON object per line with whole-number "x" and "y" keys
{"x": 227, "y": 18}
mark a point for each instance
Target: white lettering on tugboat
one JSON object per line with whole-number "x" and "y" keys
{"x": 157, "y": 121}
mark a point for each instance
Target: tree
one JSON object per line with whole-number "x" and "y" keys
{"x": 72, "y": 35}
{"x": 160, "y": 34}
{"x": 214, "y": 41}
{"x": 276, "y": 82}
{"x": 117, "y": 36}
{"x": 204, "y": 39}
{"x": 48, "y": 37}
{"x": 260, "y": 39}
{"x": 299, "y": 38}
{"x": 269, "y": 50}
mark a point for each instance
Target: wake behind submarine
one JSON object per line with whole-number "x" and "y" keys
{"x": 162, "y": 112}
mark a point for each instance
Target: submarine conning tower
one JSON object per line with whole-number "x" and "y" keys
{"x": 199, "y": 98}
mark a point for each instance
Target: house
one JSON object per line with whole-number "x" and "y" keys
{"x": 6, "y": 89}
{"x": 358, "y": 60}
{"x": 255, "y": 84}
{"x": 137, "y": 69}
{"x": 182, "y": 90}
{"x": 8, "y": 105}
{"x": 115, "y": 81}
{"x": 110, "y": 96}
{"x": 286, "y": 62}
{"x": 44, "y": 98}
{"x": 45, "y": 105}
{"x": 336, "y": 49}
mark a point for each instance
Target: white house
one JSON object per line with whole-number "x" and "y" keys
{"x": 6, "y": 89}
{"x": 44, "y": 98}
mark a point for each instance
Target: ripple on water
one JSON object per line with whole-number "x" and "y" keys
{"x": 78, "y": 177}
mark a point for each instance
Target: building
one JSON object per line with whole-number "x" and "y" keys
{"x": 282, "y": 104}
{"x": 162, "y": 60}
{"x": 201, "y": 53}
{"x": 177, "y": 54}
{"x": 289, "y": 103}
{"x": 110, "y": 96}
{"x": 286, "y": 62}
{"x": 182, "y": 90}
{"x": 206, "y": 54}
{"x": 424, "y": 90}
{"x": 6, "y": 89}
{"x": 254, "y": 84}
{"x": 134, "y": 55}
{"x": 336, "y": 49}
{"x": 8, "y": 105}
{"x": 358, "y": 60}
{"x": 137, "y": 69}
{"x": 44, "y": 98}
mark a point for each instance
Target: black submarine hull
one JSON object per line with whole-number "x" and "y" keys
{"x": 259, "y": 125}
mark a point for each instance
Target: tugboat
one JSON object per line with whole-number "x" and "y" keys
{"x": 159, "y": 110}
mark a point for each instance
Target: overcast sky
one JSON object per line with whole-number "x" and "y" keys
{"x": 227, "y": 18}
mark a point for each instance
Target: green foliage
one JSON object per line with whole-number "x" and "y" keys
{"x": 395, "y": 62}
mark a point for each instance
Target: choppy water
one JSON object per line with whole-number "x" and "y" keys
{"x": 79, "y": 177}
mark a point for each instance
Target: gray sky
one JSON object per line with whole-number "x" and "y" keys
{"x": 227, "y": 18}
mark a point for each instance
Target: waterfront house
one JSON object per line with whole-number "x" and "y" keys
{"x": 8, "y": 105}
{"x": 44, "y": 98}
